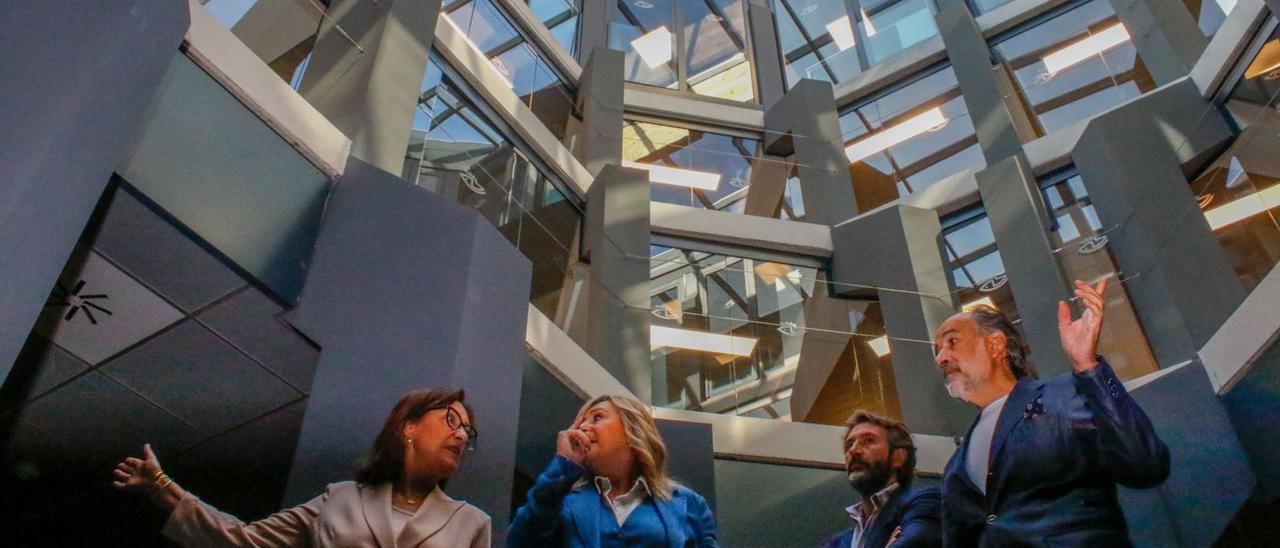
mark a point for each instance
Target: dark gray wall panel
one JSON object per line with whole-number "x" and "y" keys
{"x": 1209, "y": 477}
{"x": 690, "y": 456}
{"x": 208, "y": 161}
{"x": 59, "y": 106}
{"x": 1254, "y": 404}
{"x": 408, "y": 289}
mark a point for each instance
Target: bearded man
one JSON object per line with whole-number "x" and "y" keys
{"x": 880, "y": 460}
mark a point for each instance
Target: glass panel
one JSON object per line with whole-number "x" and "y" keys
{"x": 1122, "y": 341}
{"x": 715, "y": 33}
{"x": 909, "y": 139}
{"x": 643, "y": 31}
{"x": 1209, "y": 14}
{"x": 976, "y": 267}
{"x": 727, "y": 334}
{"x": 1240, "y": 191}
{"x": 722, "y": 162}
{"x": 983, "y": 6}
{"x": 1075, "y": 65}
{"x": 561, "y": 18}
{"x": 890, "y": 26}
{"x": 807, "y": 39}
{"x": 455, "y": 151}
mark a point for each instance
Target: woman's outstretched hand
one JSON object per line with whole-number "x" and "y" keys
{"x": 143, "y": 476}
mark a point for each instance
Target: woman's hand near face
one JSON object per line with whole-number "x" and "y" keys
{"x": 144, "y": 476}
{"x": 573, "y": 444}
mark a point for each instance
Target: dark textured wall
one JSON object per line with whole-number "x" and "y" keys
{"x": 1254, "y": 406}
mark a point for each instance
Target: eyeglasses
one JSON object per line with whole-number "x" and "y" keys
{"x": 453, "y": 420}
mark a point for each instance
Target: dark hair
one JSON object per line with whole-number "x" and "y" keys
{"x": 899, "y": 438}
{"x": 385, "y": 461}
{"x": 991, "y": 320}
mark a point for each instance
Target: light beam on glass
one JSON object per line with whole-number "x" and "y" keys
{"x": 1242, "y": 208}
{"x": 880, "y": 345}
{"x": 677, "y": 176}
{"x": 654, "y": 47}
{"x": 1095, "y": 44}
{"x": 715, "y": 343}
{"x": 841, "y": 32}
{"x": 893, "y": 135}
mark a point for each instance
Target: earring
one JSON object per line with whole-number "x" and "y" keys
{"x": 409, "y": 441}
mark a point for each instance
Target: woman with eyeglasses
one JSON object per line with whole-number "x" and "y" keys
{"x": 397, "y": 498}
{"x": 608, "y": 486}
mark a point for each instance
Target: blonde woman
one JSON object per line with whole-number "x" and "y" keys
{"x": 608, "y": 486}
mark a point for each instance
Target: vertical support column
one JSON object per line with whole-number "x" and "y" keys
{"x": 616, "y": 241}
{"x": 445, "y": 307}
{"x": 600, "y": 101}
{"x": 1016, "y": 210}
{"x": 768, "y": 186}
{"x": 971, "y": 60}
{"x": 820, "y": 351}
{"x": 366, "y": 71}
{"x": 593, "y": 25}
{"x": 1178, "y": 278}
{"x": 764, "y": 48}
{"x": 804, "y": 123}
{"x": 1167, "y": 38}
{"x": 63, "y": 75}
{"x": 896, "y": 250}
{"x": 272, "y": 29}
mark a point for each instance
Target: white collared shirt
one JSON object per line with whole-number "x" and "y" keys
{"x": 625, "y": 503}
{"x": 865, "y": 511}
{"x": 976, "y": 460}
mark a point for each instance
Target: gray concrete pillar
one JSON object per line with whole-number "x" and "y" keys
{"x": 600, "y": 101}
{"x": 764, "y": 49}
{"x": 768, "y": 186}
{"x": 820, "y": 351}
{"x": 75, "y": 89}
{"x": 445, "y": 307}
{"x": 1167, "y": 38}
{"x": 971, "y": 60}
{"x": 1015, "y": 207}
{"x": 893, "y": 255}
{"x": 593, "y": 26}
{"x": 616, "y": 243}
{"x": 272, "y": 29}
{"x": 366, "y": 70}
{"x": 1178, "y": 278}
{"x": 804, "y": 124}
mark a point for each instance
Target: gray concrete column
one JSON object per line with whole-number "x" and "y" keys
{"x": 600, "y": 101}
{"x": 1015, "y": 207}
{"x": 445, "y": 307}
{"x": 768, "y": 186}
{"x": 896, "y": 250}
{"x": 75, "y": 90}
{"x": 1131, "y": 158}
{"x": 369, "y": 89}
{"x": 593, "y": 26}
{"x": 804, "y": 123}
{"x": 272, "y": 29}
{"x": 764, "y": 48}
{"x": 971, "y": 60}
{"x": 616, "y": 243}
{"x": 1167, "y": 38}
{"x": 820, "y": 351}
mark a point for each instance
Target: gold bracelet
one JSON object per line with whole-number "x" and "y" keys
{"x": 163, "y": 480}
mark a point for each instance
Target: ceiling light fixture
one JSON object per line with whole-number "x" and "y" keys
{"x": 1242, "y": 208}
{"x": 841, "y": 31}
{"x": 654, "y": 47}
{"x": 677, "y": 176}
{"x": 1095, "y": 44}
{"x": 699, "y": 340}
{"x": 894, "y": 135}
{"x": 880, "y": 345}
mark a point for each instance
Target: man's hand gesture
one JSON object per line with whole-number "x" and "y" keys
{"x": 1080, "y": 337}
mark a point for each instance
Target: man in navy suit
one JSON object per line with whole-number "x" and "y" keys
{"x": 1040, "y": 464}
{"x": 880, "y": 459}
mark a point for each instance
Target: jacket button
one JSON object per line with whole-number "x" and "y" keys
{"x": 991, "y": 518}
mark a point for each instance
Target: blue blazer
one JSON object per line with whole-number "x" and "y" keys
{"x": 917, "y": 511}
{"x": 556, "y": 515}
{"x": 1060, "y": 447}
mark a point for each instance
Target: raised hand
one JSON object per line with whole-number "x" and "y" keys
{"x": 1080, "y": 337}
{"x": 143, "y": 476}
{"x": 573, "y": 444}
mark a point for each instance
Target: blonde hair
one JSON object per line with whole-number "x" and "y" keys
{"x": 643, "y": 439}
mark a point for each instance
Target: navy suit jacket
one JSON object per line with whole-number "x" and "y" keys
{"x": 917, "y": 511}
{"x": 556, "y": 515}
{"x": 1060, "y": 447}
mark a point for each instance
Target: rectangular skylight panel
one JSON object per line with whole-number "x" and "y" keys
{"x": 1104, "y": 40}
{"x": 891, "y": 136}
{"x": 677, "y": 176}
{"x": 715, "y": 343}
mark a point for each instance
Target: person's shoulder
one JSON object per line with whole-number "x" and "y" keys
{"x": 680, "y": 491}
{"x": 342, "y": 487}
{"x": 839, "y": 539}
{"x": 473, "y": 513}
{"x": 924, "y": 491}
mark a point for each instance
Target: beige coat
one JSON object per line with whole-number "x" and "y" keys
{"x": 345, "y": 515}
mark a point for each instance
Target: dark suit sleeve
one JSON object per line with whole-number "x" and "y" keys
{"x": 1124, "y": 442}
{"x": 704, "y": 523}
{"x": 537, "y": 523}
{"x": 921, "y": 520}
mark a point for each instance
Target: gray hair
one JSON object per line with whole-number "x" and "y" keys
{"x": 991, "y": 320}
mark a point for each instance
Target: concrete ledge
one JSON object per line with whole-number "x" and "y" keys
{"x": 744, "y": 230}
{"x": 889, "y": 72}
{"x": 1228, "y": 44}
{"x": 1013, "y": 14}
{"x": 485, "y": 80}
{"x": 1249, "y": 332}
{"x": 216, "y": 50}
{"x": 746, "y": 116}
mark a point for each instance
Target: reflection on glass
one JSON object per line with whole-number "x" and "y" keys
{"x": 983, "y": 6}
{"x": 561, "y": 18}
{"x": 1209, "y": 14}
{"x": 1122, "y": 340}
{"x": 835, "y": 40}
{"x": 691, "y": 168}
{"x": 493, "y": 35}
{"x": 909, "y": 139}
{"x": 1075, "y": 65}
{"x": 688, "y": 45}
{"x": 455, "y": 151}
{"x": 976, "y": 268}
{"x": 1240, "y": 191}
{"x": 727, "y": 334}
